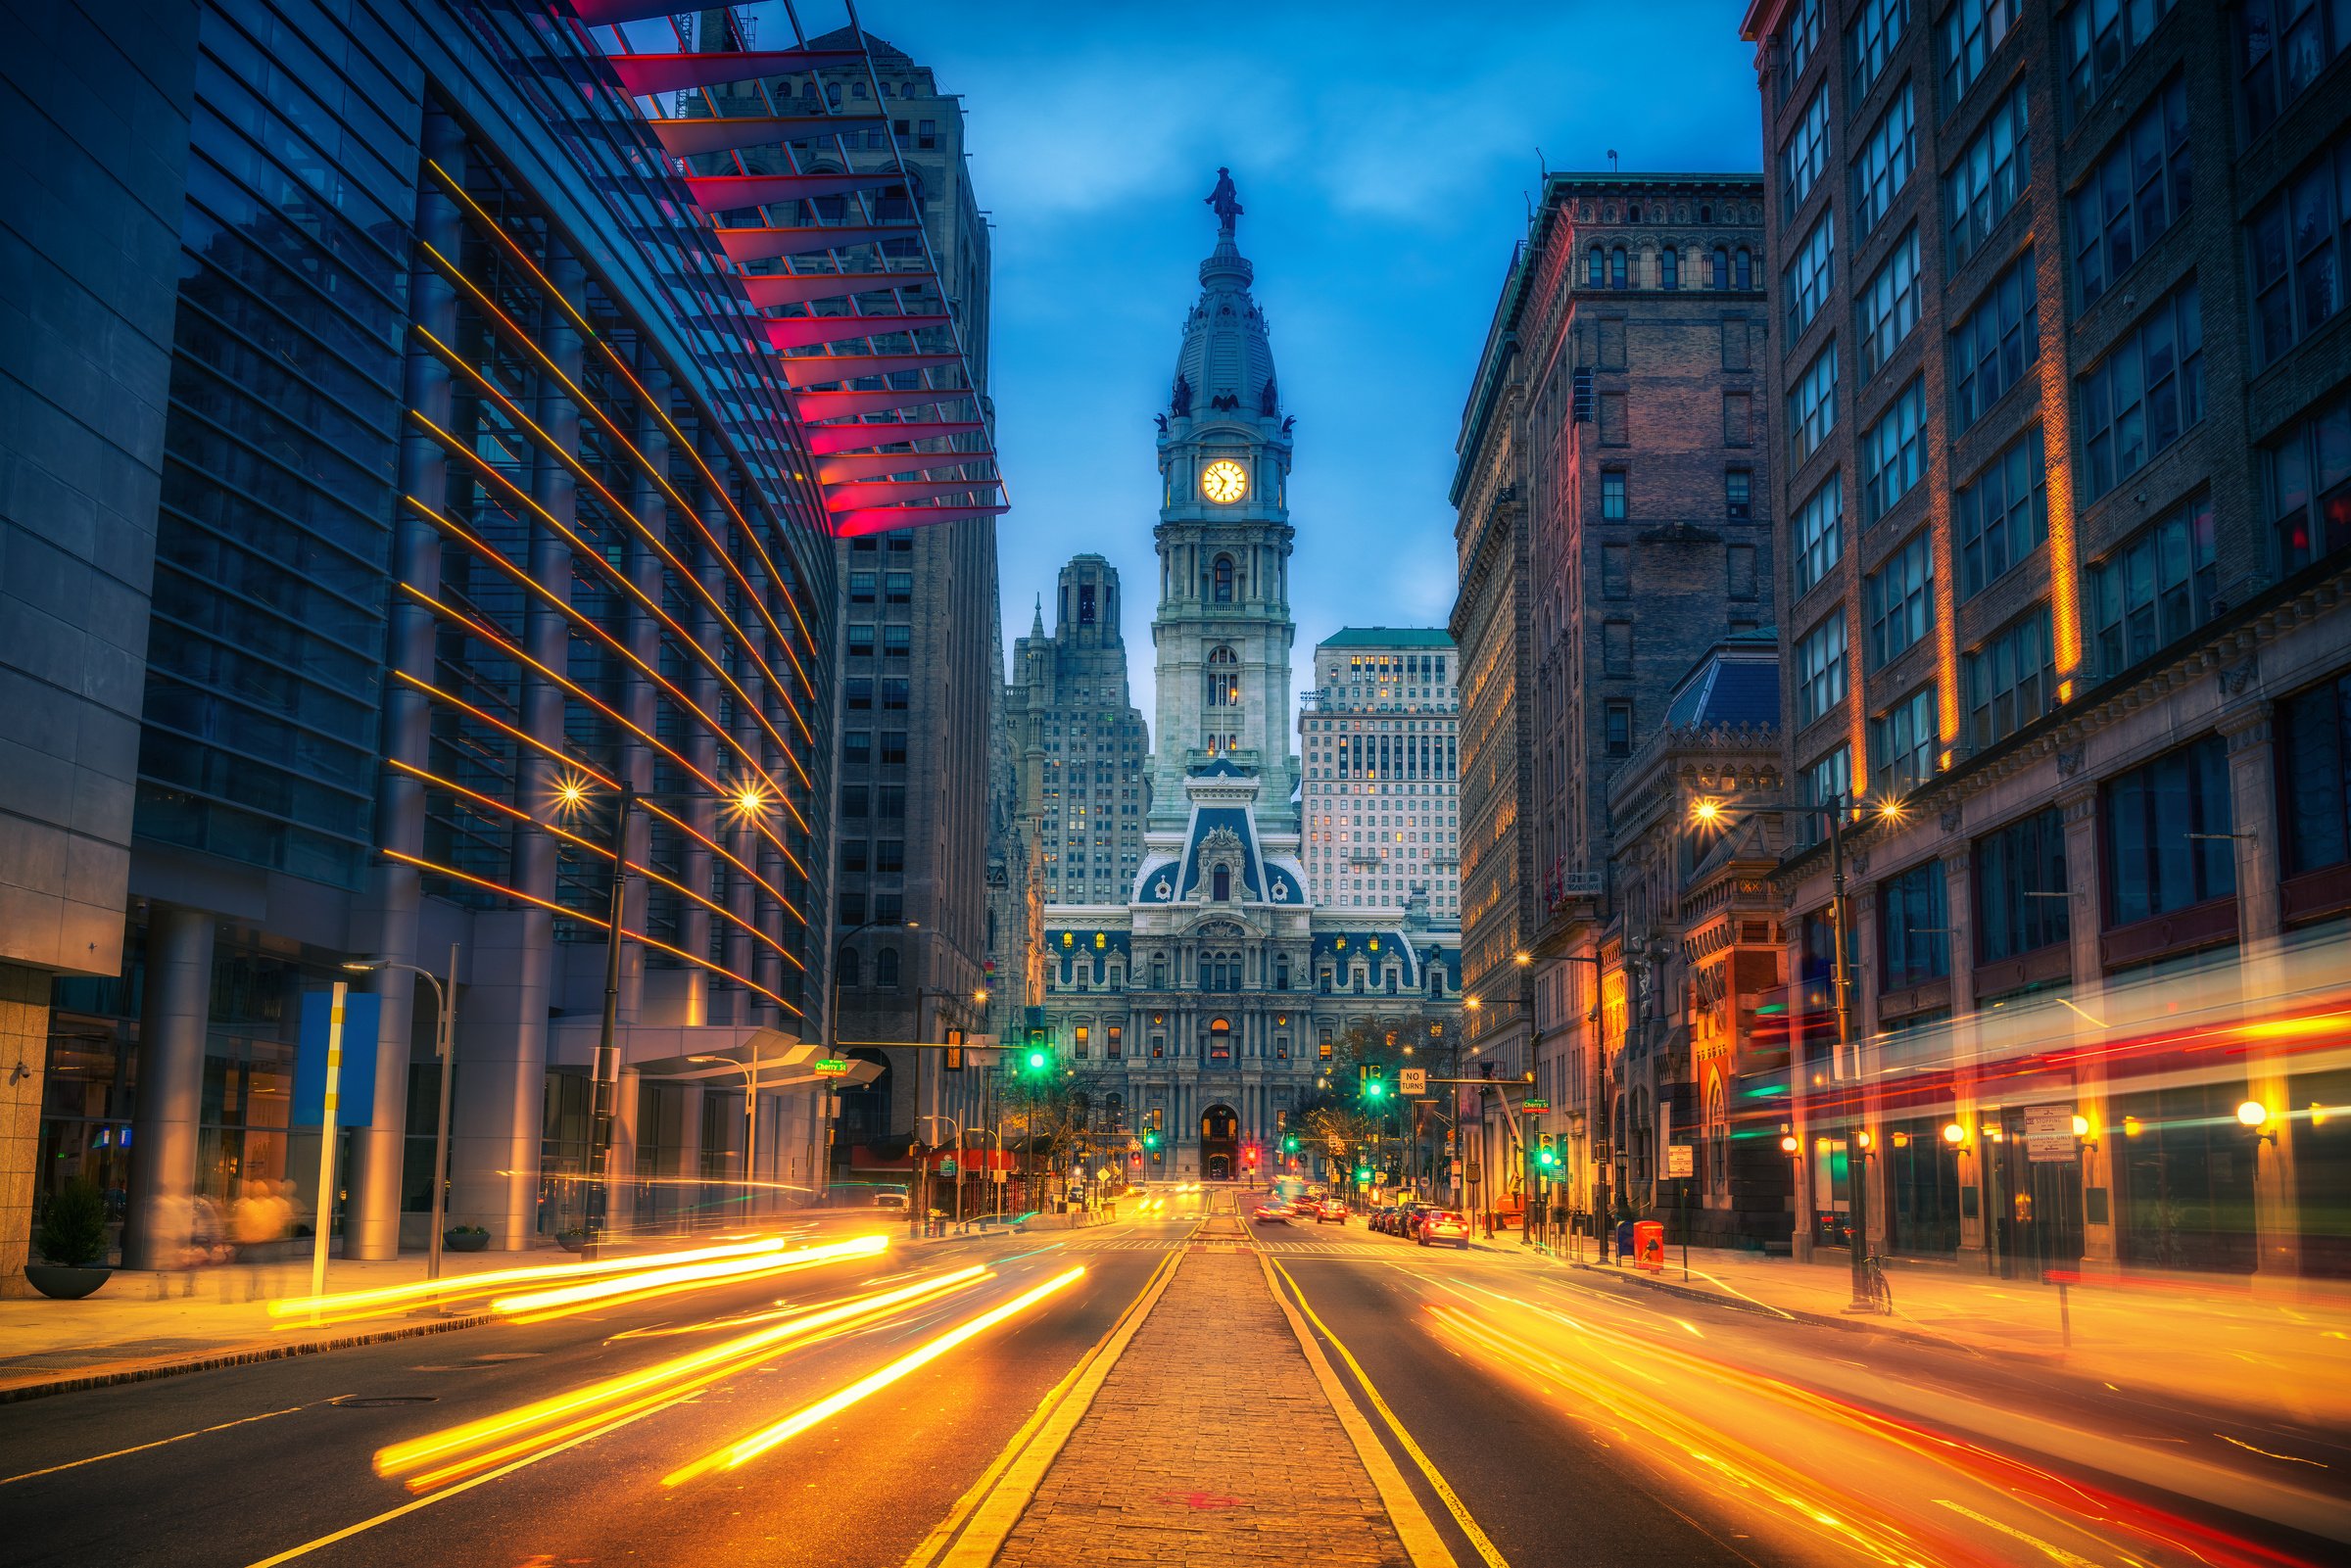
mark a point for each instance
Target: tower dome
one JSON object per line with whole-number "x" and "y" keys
{"x": 1224, "y": 369}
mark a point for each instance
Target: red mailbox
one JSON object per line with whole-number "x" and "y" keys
{"x": 1649, "y": 1244}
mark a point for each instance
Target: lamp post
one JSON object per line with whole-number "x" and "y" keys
{"x": 748, "y": 802}
{"x": 1839, "y": 810}
{"x": 444, "y": 1036}
{"x": 751, "y": 1118}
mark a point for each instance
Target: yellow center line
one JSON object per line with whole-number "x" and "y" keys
{"x": 1460, "y": 1511}
{"x": 182, "y": 1436}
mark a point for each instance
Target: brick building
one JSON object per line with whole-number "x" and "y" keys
{"x": 1377, "y": 747}
{"x": 2059, "y": 379}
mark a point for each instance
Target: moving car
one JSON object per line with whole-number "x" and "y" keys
{"x": 1332, "y": 1210}
{"x": 1273, "y": 1213}
{"x": 1443, "y": 1224}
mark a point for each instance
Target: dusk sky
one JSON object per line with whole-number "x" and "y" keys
{"x": 1385, "y": 155}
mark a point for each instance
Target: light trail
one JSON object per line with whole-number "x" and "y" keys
{"x": 344, "y": 1305}
{"x": 537, "y": 1307}
{"x": 454, "y": 1452}
{"x": 745, "y": 1449}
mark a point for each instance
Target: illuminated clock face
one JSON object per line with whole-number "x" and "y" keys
{"x": 1223, "y": 480}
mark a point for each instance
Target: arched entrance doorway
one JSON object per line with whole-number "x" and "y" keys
{"x": 1220, "y": 1143}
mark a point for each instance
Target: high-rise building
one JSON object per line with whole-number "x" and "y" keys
{"x": 1635, "y": 322}
{"x": 1202, "y": 997}
{"x": 2062, "y": 381}
{"x": 922, "y": 649}
{"x": 434, "y": 494}
{"x": 1083, "y": 740}
{"x": 1377, "y": 752}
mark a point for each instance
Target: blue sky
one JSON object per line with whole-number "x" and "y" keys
{"x": 1385, "y": 155}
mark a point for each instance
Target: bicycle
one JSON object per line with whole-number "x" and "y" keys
{"x": 1873, "y": 1278}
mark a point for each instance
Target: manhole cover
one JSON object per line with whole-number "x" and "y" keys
{"x": 374, "y": 1402}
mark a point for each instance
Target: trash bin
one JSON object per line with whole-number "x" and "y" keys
{"x": 1624, "y": 1238}
{"x": 1648, "y": 1243}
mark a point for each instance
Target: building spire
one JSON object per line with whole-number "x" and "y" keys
{"x": 1036, "y": 625}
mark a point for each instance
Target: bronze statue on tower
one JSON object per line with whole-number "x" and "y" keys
{"x": 1226, "y": 201}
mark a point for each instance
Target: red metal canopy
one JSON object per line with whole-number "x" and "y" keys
{"x": 768, "y": 244}
{"x": 882, "y": 465}
{"x": 804, "y": 331}
{"x": 770, "y": 289}
{"x": 841, "y": 404}
{"x": 688, "y": 139}
{"x": 726, "y": 193}
{"x": 647, "y": 74}
{"x": 881, "y": 519}
{"x": 822, "y": 369}
{"x": 827, "y": 439}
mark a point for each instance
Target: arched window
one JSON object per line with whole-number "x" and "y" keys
{"x": 1595, "y": 274}
{"x": 1616, "y": 268}
{"x": 849, "y": 969}
{"x": 1223, "y": 679}
{"x": 1705, "y": 214}
{"x": 1159, "y": 974}
{"x": 1282, "y": 974}
{"x": 885, "y": 968}
{"x": 1669, "y": 266}
{"x": 1080, "y": 1109}
{"x": 1221, "y": 885}
{"x": 1224, "y": 579}
{"x": 1743, "y": 270}
{"x": 1220, "y": 1040}
{"x": 1436, "y": 981}
{"x": 1721, "y": 276}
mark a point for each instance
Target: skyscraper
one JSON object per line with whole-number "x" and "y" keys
{"x": 1378, "y": 750}
{"x": 1082, "y": 738}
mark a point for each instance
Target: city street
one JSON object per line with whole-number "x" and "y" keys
{"x": 1564, "y": 1415}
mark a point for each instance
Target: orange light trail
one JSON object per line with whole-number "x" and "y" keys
{"x": 745, "y": 1449}
{"x": 534, "y": 1306}
{"x": 364, "y": 1302}
{"x": 456, "y": 1452}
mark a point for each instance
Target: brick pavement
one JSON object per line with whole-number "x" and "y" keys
{"x": 1209, "y": 1444}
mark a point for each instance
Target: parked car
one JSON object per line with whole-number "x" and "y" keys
{"x": 1443, "y": 1224}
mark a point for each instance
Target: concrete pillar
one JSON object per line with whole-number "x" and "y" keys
{"x": 2253, "y": 816}
{"x": 24, "y": 1067}
{"x": 165, "y": 1121}
{"x": 621, "y": 1211}
{"x": 689, "y": 1174}
{"x": 2085, "y": 920}
{"x": 501, "y": 1077}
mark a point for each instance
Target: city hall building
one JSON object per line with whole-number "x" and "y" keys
{"x": 1208, "y": 991}
{"x": 411, "y": 461}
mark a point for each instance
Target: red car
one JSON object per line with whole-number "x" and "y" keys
{"x": 1275, "y": 1213}
{"x": 1443, "y": 1224}
{"x": 1333, "y": 1208}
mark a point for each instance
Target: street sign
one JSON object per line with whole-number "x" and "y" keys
{"x": 946, "y": 1166}
{"x": 1537, "y": 1103}
{"x": 2048, "y": 1133}
{"x": 832, "y": 1066}
{"x": 1680, "y": 1159}
{"x": 355, "y": 1079}
{"x": 1412, "y": 1081}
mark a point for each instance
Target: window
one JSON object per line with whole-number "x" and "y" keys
{"x": 1869, "y": 43}
{"x": 1812, "y": 405}
{"x": 890, "y": 855}
{"x": 2137, "y": 190}
{"x": 2001, "y": 514}
{"x": 861, "y": 587}
{"x": 1615, "y": 571}
{"x": 1616, "y": 648}
{"x": 1892, "y": 452}
{"x": 2299, "y": 247}
{"x": 1735, "y": 418}
{"x": 1810, "y": 277}
{"x": 1221, "y": 885}
{"x": 886, "y": 967}
{"x": 897, "y": 587}
{"x": 861, "y": 642}
{"x": 2155, "y": 587}
{"x": 1818, "y": 533}
{"x": 852, "y": 800}
{"x": 1802, "y": 37}
{"x": 1223, "y": 679}
{"x": 1612, "y": 419}
{"x": 1804, "y": 156}
{"x": 1916, "y": 942}
{"x": 1994, "y": 345}
{"x": 898, "y": 641}
{"x": 2098, "y": 38}
{"x": 1668, "y": 268}
{"x": 1820, "y": 674}
{"x": 1736, "y": 494}
{"x": 2012, "y": 681}
{"x": 893, "y": 694}
{"x": 1718, "y": 267}
{"x": 1885, "y": 165}
{"x": 893, "y": 748}
{"x": 1612, "y": 494}
{"x": 1902, "y": 742}
{"x": 1619, "y": 719}
{"x": 858, "y": 692}
{"x": 853, "y": 855}
{"x": 2020, "y": 901}
{"x": 2148, "y": 389}
{"x": 1900, "y": 601}
{"x": 1888, "y": 307}
{"x": 1824, "y": 782}
{"x": 1595, "y": 270}
{"x": 1224, "y": 579}
{"x": 1971, "y": 30}
{"x": 856, "y": 746}
{"x": 1989, "y": 178}
{"x": 1742, "y": 268}
{"x": 2169, "y": 833}
{"x": 2285, "y": 44}
{"x": 2308, "y": 494}
{"x": 889, "y": 802}
{"x": 1616, "y": 268}
{"x": 2314, "y": 774}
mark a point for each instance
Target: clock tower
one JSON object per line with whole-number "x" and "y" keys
{"x": 1223, "y": 632}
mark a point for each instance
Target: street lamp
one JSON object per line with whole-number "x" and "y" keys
{"x": 1839, "y": 810}
{"x": 751, "y": 1115}
{"x": 748, "y": 801}
{"x": 444, "y": 1033}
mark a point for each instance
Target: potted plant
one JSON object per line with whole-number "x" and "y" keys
{"x": 466, "y": 1238}
{"x": 73, "y": 1237}
{"x": 572, "y": 1238}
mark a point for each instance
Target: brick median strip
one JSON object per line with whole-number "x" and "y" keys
{"x": 1150, "y": 1463}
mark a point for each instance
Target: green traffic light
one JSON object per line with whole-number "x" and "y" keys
{"x": 1289, "y": 1146}
{"x": 1037, "y": 1061}
{"x": 1374, "y": 1089}
{"x": 1362, "y": 1173}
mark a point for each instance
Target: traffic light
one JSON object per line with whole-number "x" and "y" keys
{"x": 1362, "y": 1173}
{"x": 1037, "y": 1058}
{"x": 1155, "y": 1113}
{"x": 1289, "y": 1146}
{"x": 1151, "y": 1140}
{"x": 954, "y": 1050}
{"x": 1374, "y": 1084}
{"x": 1547, "y": 1155}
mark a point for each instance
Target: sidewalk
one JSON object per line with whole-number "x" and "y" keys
{"x": 2207, "y": 1339}
{"x": 1172, "y": 1462}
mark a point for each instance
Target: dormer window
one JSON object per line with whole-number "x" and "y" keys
{"x": 1221, "y": 885}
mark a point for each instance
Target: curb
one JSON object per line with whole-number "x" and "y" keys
{"x": 1852, "y": 1325}
{"x": 148, "y": 1371}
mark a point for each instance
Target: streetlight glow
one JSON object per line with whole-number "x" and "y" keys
{"x": 1706, "y": 810}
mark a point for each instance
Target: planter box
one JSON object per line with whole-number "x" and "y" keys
{"x": 59, "y": 1283}
{"x": 465, "y": 1241}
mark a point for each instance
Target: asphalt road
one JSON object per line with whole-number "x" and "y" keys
{"x": 1572, "y": 1418}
